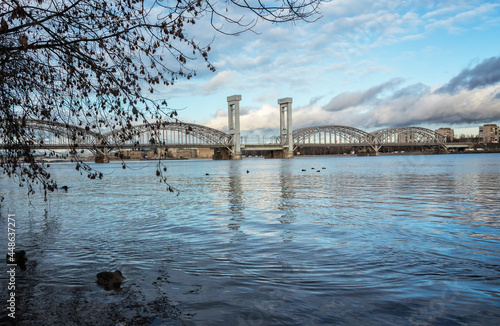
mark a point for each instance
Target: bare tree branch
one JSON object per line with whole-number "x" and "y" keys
{"x": 94, "y": 64}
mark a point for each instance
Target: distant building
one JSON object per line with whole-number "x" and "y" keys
{"x": 489, "y": 133}
{"x": 447, "y": 132}
{"x": 404, "y": 137}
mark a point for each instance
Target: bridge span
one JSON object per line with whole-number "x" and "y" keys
{"x": 59, "y": 135}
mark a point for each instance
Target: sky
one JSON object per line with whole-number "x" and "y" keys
{"x": 364, "y": 64}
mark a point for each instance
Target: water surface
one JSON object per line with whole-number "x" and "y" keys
{"x": 386, "y": 240}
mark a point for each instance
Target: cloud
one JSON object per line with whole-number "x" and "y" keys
{"x": 484, "y": 74}
{"x": 349, "y": 99}
{"x": 353, "y": 43}
{"x": 417, "y": 105}
{"x": 267, "y": 117}
{"x": 435, "y": 108}
{"x": 416, "y": 90}
{"x": 219, "y": 121}
{"x": 315, "y": 100}
{"x": 471, "y": 97}
{"x": 227, "y": 79}
{"x": 456, "y": 21}
{"x": 221, "y": 80}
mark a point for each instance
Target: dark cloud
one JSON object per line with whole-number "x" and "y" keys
{"x": 244, "y": 110}
{"x": 484, "y": 74}
{"x": 415, "y": 104}
{"x": 315, "y": 100}
{"x": 350, "y": 99}
{"x": 472, "y": 97}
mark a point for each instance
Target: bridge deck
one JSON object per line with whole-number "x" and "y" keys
{"x": 262, "y": 147}
{"x": 459, "y": 145}
{"x": 57, "y": 135}
{"x": 251, "y": 147}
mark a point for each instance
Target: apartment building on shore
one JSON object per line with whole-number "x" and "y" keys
{"x": 489, "y": 133}
{"x": 447, "y": 132}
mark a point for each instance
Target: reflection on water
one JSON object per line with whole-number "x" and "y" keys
{"x": 366, "y": 240}
{"x": 236, "y": 207}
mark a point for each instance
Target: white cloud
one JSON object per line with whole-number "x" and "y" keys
{"x": 221, "y": 80}
{"x": 267, "y": 117}
{"x": 477, "y": 106}
{"x": 412, "y": 105}
{"x": 356, "y": 46}
{"x": 459, "y": 16}
{"x": 219, "y": 121}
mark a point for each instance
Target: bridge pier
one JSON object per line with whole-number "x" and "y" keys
{"x": 221, "y": 154}
{"x": 101, "y": 158}
{"x": 233, "y": 116}
{"x": 367, "y": 152}
{"x": 279, "y": 154}
{"x": 285, "y": 128}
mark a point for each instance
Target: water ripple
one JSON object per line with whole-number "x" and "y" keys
{"x": 375, "y": 240}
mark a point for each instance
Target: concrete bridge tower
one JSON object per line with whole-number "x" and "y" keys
{"x": 233, "y": 110}
{"x": 286, "y": 126}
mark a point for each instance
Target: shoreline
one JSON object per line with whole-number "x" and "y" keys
{"x": 90, "y": 159}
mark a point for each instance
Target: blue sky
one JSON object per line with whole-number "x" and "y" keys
{"x": 365, "y": 64}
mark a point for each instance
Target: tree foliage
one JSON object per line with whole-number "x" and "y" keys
{"x": 94, "y": 64}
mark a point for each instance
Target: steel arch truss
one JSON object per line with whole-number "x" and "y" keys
{"x": 411, "y": 136}
{"x": 52, "y": 134}
{"x": 174, "y": 134}
{"x": 332, "y": 135}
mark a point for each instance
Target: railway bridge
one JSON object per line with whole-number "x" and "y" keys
{"x": 227, "y": 146}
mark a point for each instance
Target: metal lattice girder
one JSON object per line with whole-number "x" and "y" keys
{"x": 408, "y": 136}
{"x": 62, "y": 132}
{"x": 204, "y": 135}
{"x": 329, "y": 135}
{"x": 193, "y": 134}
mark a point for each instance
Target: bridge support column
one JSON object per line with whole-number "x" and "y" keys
{"x": 221, "y": 154}
{"x": 286, "y": 126}
{"x": 278, "y": 154}
{"x": 101, "y": 156}
{"x": 233, "y": 110}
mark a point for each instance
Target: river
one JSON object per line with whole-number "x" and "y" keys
{"x": 388, "y": 240}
